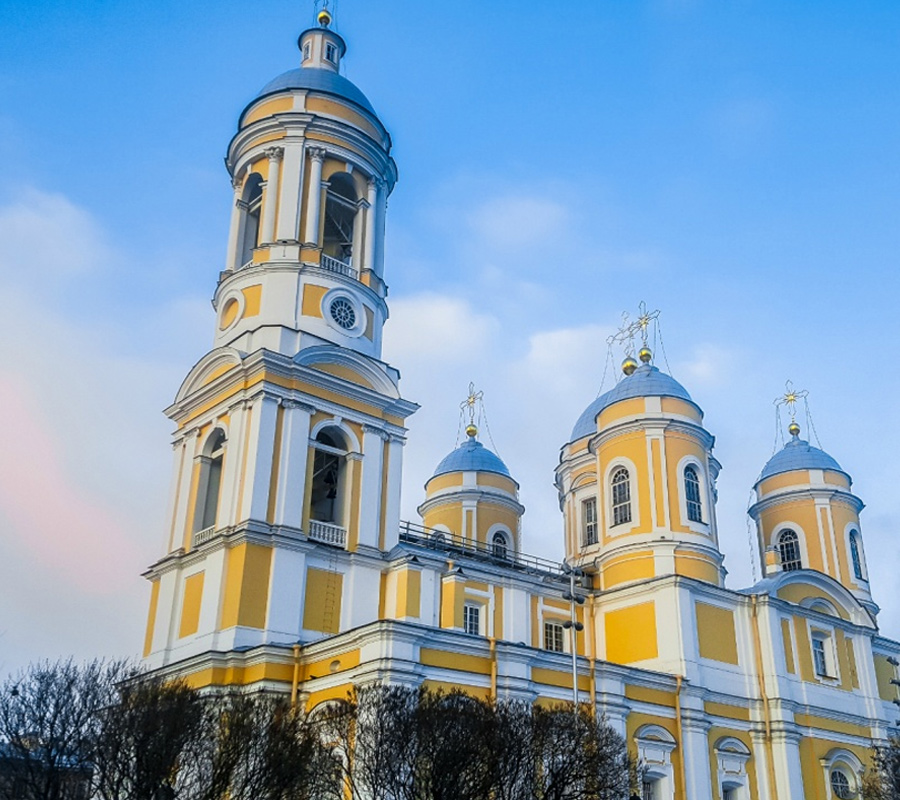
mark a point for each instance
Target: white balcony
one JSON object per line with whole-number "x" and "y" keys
{"x": 202, "y": 537}
{"x": 336, "y": 265}
{"x": 327, "y": 533}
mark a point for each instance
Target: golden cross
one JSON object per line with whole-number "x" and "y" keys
{"x": 470, "y": 402}
{"x": 628, "y": 330}
{"x": 790, "y": 398}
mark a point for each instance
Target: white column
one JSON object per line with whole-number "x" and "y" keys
{"x": 287, "y": 225}
{"x": 392, "y": 503}
{"x": 257, "y": 471}
{"x": 267, "y": 235}
{"x": 371, "y": 213}
{"x": 358, "y": 227}
{"x": 231, "y": 471}
{"x": 695, "y": 755}
{"x": 292, "y": 475}
{"x": 313, "y": 202}
{"x": 180, "y": 488}
{"x": 372, "y": 477}
{"x": 234, "y": 231}
{"x": 380, "y": 221}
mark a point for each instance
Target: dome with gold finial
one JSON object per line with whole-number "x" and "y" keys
{"x": 472, "y": 456}
{"x": 798, "y": 454}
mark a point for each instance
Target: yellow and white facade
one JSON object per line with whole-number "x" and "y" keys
{"x": 286, "y": 564}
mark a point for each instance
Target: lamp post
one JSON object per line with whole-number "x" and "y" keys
{"x": 573, "y": 625}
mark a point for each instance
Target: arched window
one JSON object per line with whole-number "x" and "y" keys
{"x": 692, "y": 494}
{"x": 209, "y": 485}
{"x": 340, "y": 218}
{"x": 840, "y": 784}
{"x": 328, "y": 479}
{"x": 789, "y": 547}
{"x": 854, "y": 555}
{"x": 250, "y": 206}
{"x": 499, "y": 545}
{"x": 621, "y": 497}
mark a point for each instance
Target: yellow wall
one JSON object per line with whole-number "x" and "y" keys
{"x": 445, "y": 481}
{"x": 348, "y": 374}
{"x": 788, "y": 647}
{"x": 275, "y": 106}
{"x": 252, "y": 300}
{"x": 883, "y": 673}
{"x": 699, "y": 567}
{"x": 409, "y": 591}
{"x": 800, "y": 512}
{"x": 450, "y": 516}
{"x": 453, "y": 597}
{"x": 151, "y": 617}
{"x": 246, "y": 586}
{"x": 322, "y": 601}
{"x": 715, "y": 632}
{"x": 496, "y": 482}
{"x": 190, "y": 605}
{"x": 636, "y": 566}
{"x": 631, "y": 633}
{"x": 334, "y": 109}
{"x": 490, "y": 514}
{"x": 311, "y": 305}
{"x": 678, "y": 446}
{"x": 624, "y": 408}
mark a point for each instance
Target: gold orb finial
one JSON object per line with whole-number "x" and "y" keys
{"x": 646, "y": 355}
{"x": 794, "y": 429}
{"x": 629, "y": 365}
{"x": 471, "y": 430}
{"x": 324, "y": 18}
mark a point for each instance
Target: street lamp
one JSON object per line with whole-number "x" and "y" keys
{"x": 572, "y": 624}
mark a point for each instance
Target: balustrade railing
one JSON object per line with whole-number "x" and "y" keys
{"x": 442, "y": 540}
{"x": 327, "y": 533}
{"x": 336, "y": 265}
{"x": 201, "y": 537}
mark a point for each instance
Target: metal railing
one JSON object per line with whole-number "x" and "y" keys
{"x": 336, "y": 265}
{"x": 327, "y": 533}
{"x": 451, "y": 543}
{"x": 202, "y": 537}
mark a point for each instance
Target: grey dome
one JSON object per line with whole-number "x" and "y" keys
{"x": 472, "y": 456}
{"x": 798, "y": 454}
{"x": 645, "y": 381}
{"x": 317, "y": 80}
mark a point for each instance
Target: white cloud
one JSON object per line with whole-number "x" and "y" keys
{"x": 516, "y": 221}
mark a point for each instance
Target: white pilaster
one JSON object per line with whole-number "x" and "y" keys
{"x": 287, "y": 227}
{"x": 380, "y": 220}
{"x": 260, "y": 448}
{"x": 231, "y": 472}
{"x": 392, "y": 505}
{"x": 286, "y": 586}
{"x": 234, "y": 230}
{"x": 181, "y": 489}
{"x": 267, "y": 234}
{"x": 292, "y": 476}
{"x": 358, "y": 227}
{"x": 371, "y": 222}
{"x": 314, "y": 200}
{"x": 696, "y": 758}
{"x": 372, "y": 477}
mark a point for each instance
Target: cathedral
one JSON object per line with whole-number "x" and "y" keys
{"x": 287, "y": 565}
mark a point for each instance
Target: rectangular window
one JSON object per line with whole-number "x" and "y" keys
{"x": 647, "y": 792}
{"x": 306, "y": 52}
{"x": 330, "y": 52}
{"x": 820, "y": 657}
{"x": 553, "y": 637}
{"x": 589, "y": 520}
{"x": 472, "y": 619}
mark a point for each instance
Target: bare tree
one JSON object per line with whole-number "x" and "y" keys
{"x": 882, "y": 782}
{"x": 144, "y": 738}
{"x": 49, "y": 720}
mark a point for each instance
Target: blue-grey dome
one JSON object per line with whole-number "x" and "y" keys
{"x": 317, "y": 80}
{"x": 645, "y": 381}
{"x": 798, "y": 454}
{"x": 472, "y": 456}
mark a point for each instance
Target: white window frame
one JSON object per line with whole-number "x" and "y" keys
{"x": 549, "y": 622}
{"x": 507, "y": 535}
{"x": 359, "y": 324}
{"x": 625, "y": 527}
{"x": 585, "y": 502}
{"x": 801, "y": 541}
{"x": 854, "y": 528}
{"x": 331, "y": 53}
{"x": 849, "y": 764}
{"x": 654, "y": 748}
{"x": 732, "y": 756}
{"x": 827, "y": 638}
{"x": 470, "y": 607}
{"x": 705, "y": 525}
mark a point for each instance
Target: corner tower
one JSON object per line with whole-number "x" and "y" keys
{"x": 637, "y": 483}
{"x": 807, "y": 517}
{"x": 290, "y": 431}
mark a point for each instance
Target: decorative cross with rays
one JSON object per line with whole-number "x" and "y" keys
{"x": 468, "y": 405}
{"x": 790, "y": 398}
{"x": 629, "y": 330}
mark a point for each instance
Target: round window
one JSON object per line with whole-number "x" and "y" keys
{"x": 342, "y": 313}
{"x": 840, "y": 785}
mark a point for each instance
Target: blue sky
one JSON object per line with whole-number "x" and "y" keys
{"x": 732, "y": 163}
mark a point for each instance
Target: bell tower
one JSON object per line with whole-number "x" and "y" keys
{"x": 289, "y": 434}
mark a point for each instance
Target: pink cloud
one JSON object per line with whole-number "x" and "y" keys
{"x": 55, "y": 523}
